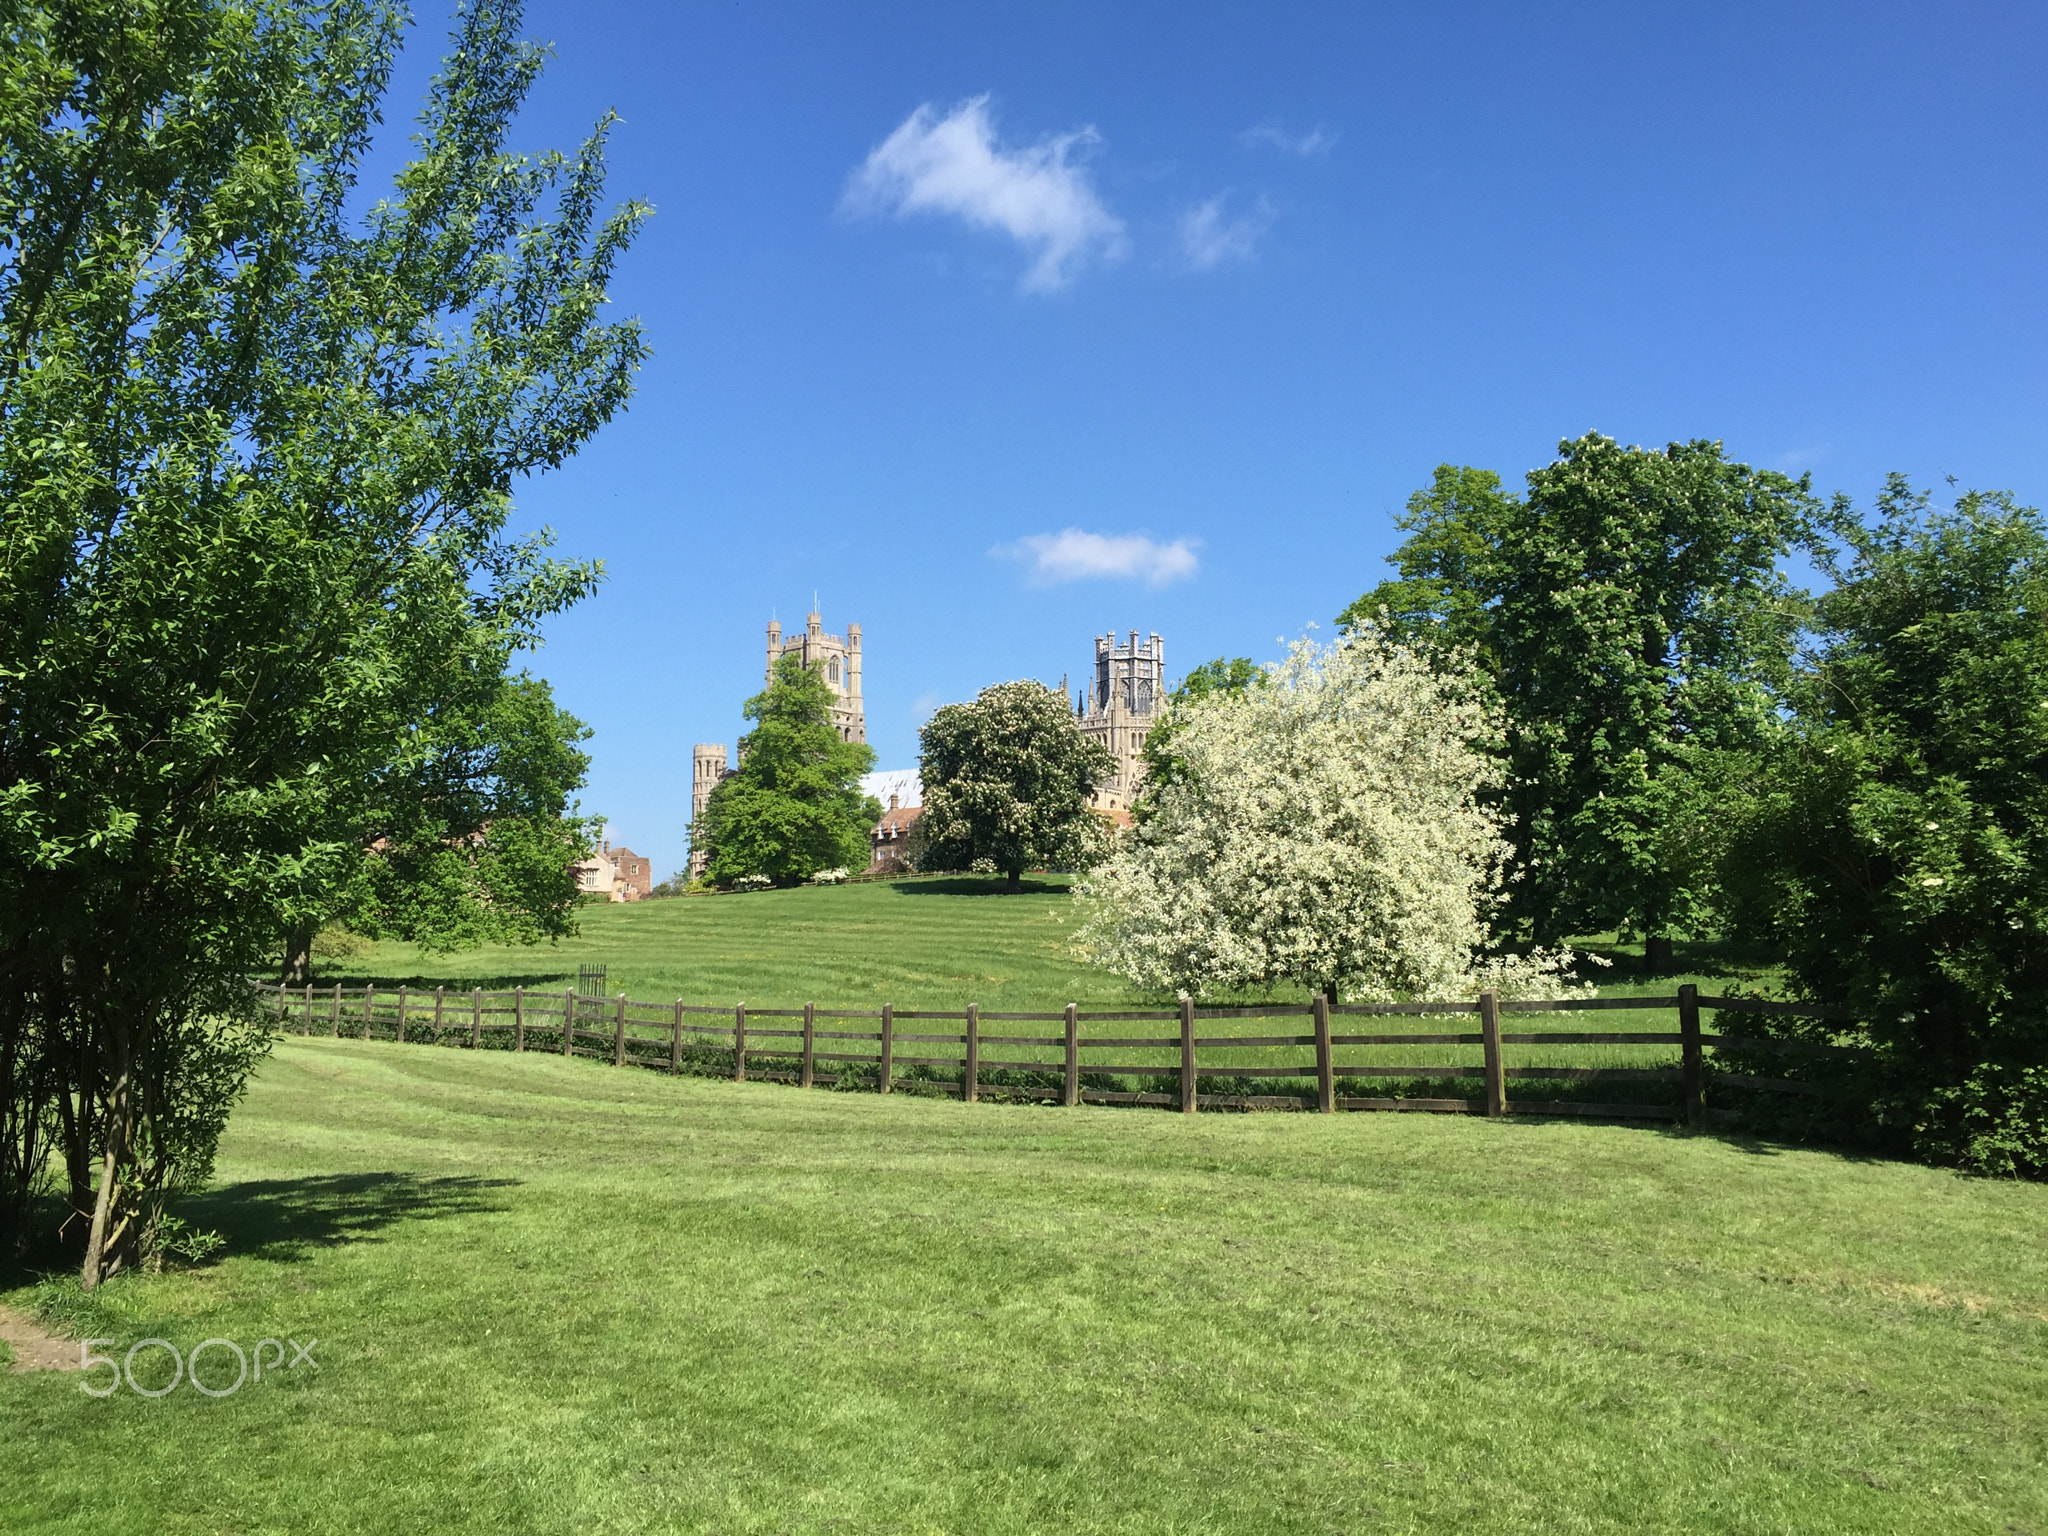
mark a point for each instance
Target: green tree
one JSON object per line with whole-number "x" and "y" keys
{"x": 1631, "y": 612}
{"x": 1006, "y": 785}
{"x": 1225, "y": 675}
{"x": 1896, "y": 851}
{"x": 256, "y": 461}
{"x": 794, "y": 804}
{"x": 475, "y": 845}
{"x": 1446, "y": 594}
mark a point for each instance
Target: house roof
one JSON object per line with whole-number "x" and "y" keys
{"x": 898, "y": 821}
{"x": 900, "y": 782}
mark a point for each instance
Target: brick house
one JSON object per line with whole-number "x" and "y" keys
{"x": 617, "y": 873}
{"x": 891, "y": 832}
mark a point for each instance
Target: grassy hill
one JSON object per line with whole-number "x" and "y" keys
{"x": 556, "y": 1297}
{"x": 919, "y": 943}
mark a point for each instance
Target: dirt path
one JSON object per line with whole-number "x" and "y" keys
{"x": 35, "y": 1350}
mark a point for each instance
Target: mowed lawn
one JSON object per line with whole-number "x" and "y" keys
{"x": 925, "y": 942}
{"x": 942, "y": 943}
{"x": 552, "y": 1296}
{"x": 933, "y": 943}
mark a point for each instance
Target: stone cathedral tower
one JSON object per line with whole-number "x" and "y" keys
{"x": 1119, "y": 706}
{"x": 838, "y": 661}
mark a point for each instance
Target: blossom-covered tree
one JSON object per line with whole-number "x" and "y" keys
{"x": 1006, "y": 785}
{"x": 1330, "y": 829}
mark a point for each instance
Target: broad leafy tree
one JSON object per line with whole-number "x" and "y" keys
{"x": 794, "y": 805}
{"x": 1632, "y": 613}
{"x": 1896, "y": 850}
{"x": 1329, "y": 828}
{"x": 1006, "y": 785}
{"x": 257, "y": 452}
{"x": 475, "y": 843}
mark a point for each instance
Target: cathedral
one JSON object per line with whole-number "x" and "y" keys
{"x": 1121, "y": 703}
{"x": 838, "y": 661}
{"x": 1118, "y": 707}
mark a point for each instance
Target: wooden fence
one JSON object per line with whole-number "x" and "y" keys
{"x": 809, "y": 1046}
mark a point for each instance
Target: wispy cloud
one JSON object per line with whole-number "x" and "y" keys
{"x": 1209, "y": 236}
{"x": 1317, "y": 141}
{"x": 1795, "y": 461}
{"x": 1037, "y": 195}
{"x": 1073, "y": 555}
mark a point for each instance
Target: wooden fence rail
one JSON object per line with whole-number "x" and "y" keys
{"x": 756, "y": 1041}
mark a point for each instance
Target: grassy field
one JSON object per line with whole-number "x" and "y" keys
{"x": 943, "y": 943}
{"x": 939, "y": 942}
{"x": 552, "y": 1296}
{"x": 923, "y": 942}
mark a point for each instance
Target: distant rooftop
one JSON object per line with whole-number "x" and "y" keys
{"x": 903, "y": 783}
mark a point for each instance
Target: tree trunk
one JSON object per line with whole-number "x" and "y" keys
{"x": 1014, "y": 882}
{"x": 1657, "y": 956}
{"x": 114, "y": 1127}
{"x": 75, "y": 1126}
{"x": 298, "y": 958}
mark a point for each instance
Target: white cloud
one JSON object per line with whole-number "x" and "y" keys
{"x": 952, "y": 164}
{"x": 1072, "y": 555}
{"x": 1317, "y": 141}
{"x": 1208, "y": 238}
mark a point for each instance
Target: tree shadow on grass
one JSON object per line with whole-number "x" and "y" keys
{"x": 978, "y": 885}
{"x": 283, "y": 1220}
{"x": 1715, "y": 959}
{"x": 540, "y": 985}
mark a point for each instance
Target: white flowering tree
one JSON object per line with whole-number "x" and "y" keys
{"x": 1330, "y": 829}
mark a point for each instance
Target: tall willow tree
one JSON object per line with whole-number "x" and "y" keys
{"x": 257, "y": 448}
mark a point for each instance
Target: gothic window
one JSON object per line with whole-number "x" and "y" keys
{"x": 832, "y": 671}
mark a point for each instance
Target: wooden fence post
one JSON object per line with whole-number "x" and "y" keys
{"x": 1489, "y": 1035}
{"x": 476, "y": 1018}
{"x": 970, "y": 1078}
{"x": 334, "y": 1021}
{"x": 569, "y": 1022}
{"x": 739, "y": 1042}
{"x": 369, "y": 1001}
{"x": 1072, "y": 1096}
{"x": 1187, "y": 1056}
{"x": 438, "y": 998}
{"x": 619, "y": 1045}
{"x": 519, "y": 1018}
{"x": 675, "y": 1042}
{"x": 1326, "y": 1076}
{"x": 401, "y": 1015}
{"x": 280, "y": 1005}
{"x": 1692, "y": 1065}
{"x": 888, "y": 1044}
{"x": 306, "y": 1023}
{"x": 803, "y": 1079}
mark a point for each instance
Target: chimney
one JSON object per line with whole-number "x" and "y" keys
{"x": 892, "y": 802}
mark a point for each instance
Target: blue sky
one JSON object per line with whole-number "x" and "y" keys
{"x": 999, "y": 326}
